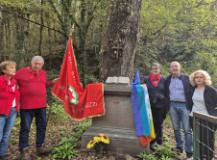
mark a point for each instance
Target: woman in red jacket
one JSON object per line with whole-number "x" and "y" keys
{"x": 8, "y": 104}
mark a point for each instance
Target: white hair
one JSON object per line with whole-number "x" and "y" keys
{"x": 156, "y": 64}
{"x": 204, "y": 73}
{"x": 37, "y": 58}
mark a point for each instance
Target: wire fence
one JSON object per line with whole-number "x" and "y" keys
{"x": 205, "y": 136}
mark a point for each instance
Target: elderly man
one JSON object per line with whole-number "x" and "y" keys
{"x": 179, "y": 93}
{"x": 32, "y": 82}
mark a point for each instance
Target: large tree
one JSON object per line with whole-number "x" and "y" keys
{"x": 120, "y": 37}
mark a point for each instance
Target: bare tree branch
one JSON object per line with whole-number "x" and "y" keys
{"x": 91, "y": 16}
{"x": 29, "y": 20}
{"x": 71, "y": 15}
{"x": 56, "y": 10}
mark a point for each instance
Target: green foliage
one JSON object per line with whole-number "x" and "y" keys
{"x": 25, "y": 5}
{"x": 169, "y": 30}
{"x": 164, "y": 152}
{"x": 56, "y": 110}
{"x": 81, "y": 128}
{"x": 146, "y": 156}
{"x": 67, "y": 146}
{"x": 178, "y": 30}
{"x": 165, "y": 158}
{"x": 42, "y": 27}
{"x": 65, "y": 149}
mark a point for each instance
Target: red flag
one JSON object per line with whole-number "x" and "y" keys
{"x": 94, "y": 105}
{"x": 70, "y": 91}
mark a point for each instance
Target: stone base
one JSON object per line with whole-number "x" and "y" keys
{"x": 122, "y": 141}
{"x": 118, "y": 121}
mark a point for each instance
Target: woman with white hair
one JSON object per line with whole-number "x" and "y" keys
{"x": 204, "y": 96}
{"x": 205, "y": 102}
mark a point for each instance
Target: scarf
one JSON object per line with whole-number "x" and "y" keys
{"x": 154, "y": 79}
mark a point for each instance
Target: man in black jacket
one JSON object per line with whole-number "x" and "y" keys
{"x": 178, "y": 97}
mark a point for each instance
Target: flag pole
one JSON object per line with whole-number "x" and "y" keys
{"x": 72, "y": 31}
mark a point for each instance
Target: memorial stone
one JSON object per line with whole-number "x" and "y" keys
{"x": 117, "y": 123}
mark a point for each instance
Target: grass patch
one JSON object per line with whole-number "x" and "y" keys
{"x": 163, "y": 152}
{"x": 66, "y": 149}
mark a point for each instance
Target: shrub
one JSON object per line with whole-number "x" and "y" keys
{"x": 164, "y": 151}
{"x": 146, "y": 156}
{"x": 66, "y": 149}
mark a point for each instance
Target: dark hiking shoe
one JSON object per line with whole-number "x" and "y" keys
{"x": 177, "y": 150}
{"x": 189, "y": 155}
{"x": 25, "y": 154}
{"x": 153, "y": 147}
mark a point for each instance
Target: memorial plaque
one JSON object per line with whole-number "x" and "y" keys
{"x": 118, "y": 122}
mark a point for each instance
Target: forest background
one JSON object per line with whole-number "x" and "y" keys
{"x": 182, "y": 30}
{"x": 169, "y": 30}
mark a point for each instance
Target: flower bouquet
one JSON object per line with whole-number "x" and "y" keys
{"x": 99, "y": 143}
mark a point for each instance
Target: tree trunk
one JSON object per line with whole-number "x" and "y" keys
{"x": 120, "y": 37}
{"x": 82, "y": 41}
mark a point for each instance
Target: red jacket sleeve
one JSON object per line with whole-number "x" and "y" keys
{"x": 3, "y": 89}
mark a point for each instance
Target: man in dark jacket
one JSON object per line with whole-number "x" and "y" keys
{"x": 178, "y": 95}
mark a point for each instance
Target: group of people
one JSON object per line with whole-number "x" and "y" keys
{"x": 24, "y": 90}
{"x": 180, "y": 95}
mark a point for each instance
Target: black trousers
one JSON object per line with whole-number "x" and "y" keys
{"x": 27, "y": 116}
{"x": 158, "y": 115}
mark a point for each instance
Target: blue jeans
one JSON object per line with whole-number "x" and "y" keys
{"x": 179, "y": 115}
{"x": 27, "y": 116}
{"x": 6, "y": 125}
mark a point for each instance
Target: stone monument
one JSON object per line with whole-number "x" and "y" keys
{"x": 117, "y": 123}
